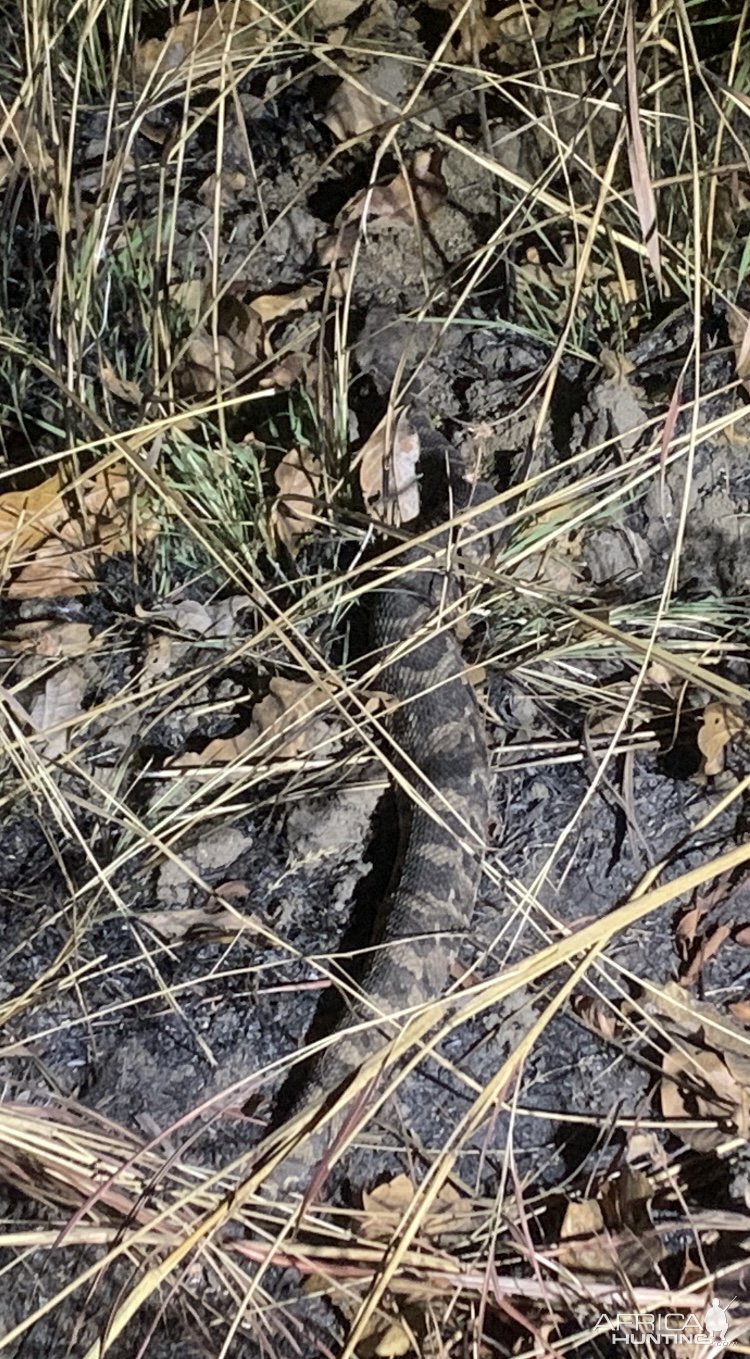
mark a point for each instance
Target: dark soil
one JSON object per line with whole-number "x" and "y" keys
{"x": 142, "y": 1028}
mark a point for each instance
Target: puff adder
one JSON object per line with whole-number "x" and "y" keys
{"x": 437, "y": 740}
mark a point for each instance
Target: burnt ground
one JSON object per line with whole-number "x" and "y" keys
{"x": 617, "y": 613}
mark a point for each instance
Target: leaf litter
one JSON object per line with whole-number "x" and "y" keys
{"x": 250, "y": 336}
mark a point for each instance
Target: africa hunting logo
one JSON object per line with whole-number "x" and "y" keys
{"x": 668, "y": 1328}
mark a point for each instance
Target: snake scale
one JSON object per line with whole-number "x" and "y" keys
{"x": 437, "y": 742}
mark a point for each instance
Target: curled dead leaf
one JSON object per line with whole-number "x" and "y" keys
{"x": 212, "y": 363}
{"x": 387, "y": 472}
{"x": 120, "y": 387}
{"x": 45, "y": 637}
{"x": 290, "y": 721}
{"x": 292, "y": 368}
{"x": 738, "y": 325}
{"x": 273, "y": 306}
{"x": 709, "y": 945}
{"x": 298, "y": 478}
{"x": 613, "y": 1231}
{"x": 353, "y": 111}
{"x": 410, "y": 197}
{"x": 386, "y": 1335}
{"x": 56, "y": 709}
{"x": 201, "y": 43}
{"x": 597, "y": 1016}
{"x": 52, "y": 542}
{"x": 720, "y": 724}
{"x": 701, "y": 1083}
{"x": 215, "y": 922}
{"x": 384, "y": 1208}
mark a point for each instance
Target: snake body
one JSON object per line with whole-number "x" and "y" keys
{"x": 438, "y": 747}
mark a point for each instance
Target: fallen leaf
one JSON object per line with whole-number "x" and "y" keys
{"x": 218, "y": 619}
{"x": 227, "y": 184}
{"x": 45, "y": 637}
{"x": 290, "y": 369}
{"x": 710, "y": 944}
{"x": 208, "y": 365}
{"x": 384, "y": 1207}
{"x": 700, "y": 1083}
{"x": 329, "y": 13}
{"x": 720, "y": 723}
{"x": 52, "y": 542}
{"x": 408, "y": 198}
{"x": 598, "y": 1017}
{"x": 738, "y": 325}
{"x": 352, "y": 111}
{"x": 205, "y": 39}
{"x": 120, "y": 387}
{"x": 214, "y": 922}
{"x": 384, "y": 1335}
{"x": 387, "y": 471}
{"x": 289, "y": 722}
{"x": 741, "y": 1010}
{"x": 614, "y": 1231}
{"x": 293, "y": 514}
{"x": 55, "y": 710}
{"x": 273, "y": 306}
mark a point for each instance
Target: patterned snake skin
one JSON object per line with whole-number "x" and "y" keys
{"x": 439, "y": 746}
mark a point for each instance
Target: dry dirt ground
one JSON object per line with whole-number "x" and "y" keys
{"x": 168, "y": 905}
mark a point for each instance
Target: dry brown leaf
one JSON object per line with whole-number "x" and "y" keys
{"x": 738, "y": 325}
{"x": 122, "y": 388}
{"x": 687, "y": 925}
{"x": 228, "y": 184}
{"x": 387, "y": 474}
{"x": 329, "y": 13}
{"x": 157, "y": 661}
{"x": 408, "y": 198}
{"x": 588, "y": 1248}
{"x": 203, "y": 922}
{"x": 689, "y": 1015}
{"x": 44, "y": 637}
{"x": 53, "y": 546}
{"x": 353, "y": 112}
{"x": 710, "y": 944}
{"x": 273, "y": 306}
{"x": 201, "y": 41}
{"x": 698, "y": 1082}
{"x": 290, "y": 369}
{"x": 339, "y": 246}
{"x": 297, "y": 477}
{"x": 384, "y": 1207}
{"x": 660, "y": 676}
{"x": 287, "y": 717}
{"x": 597, "y": 1016}
{"x": 209, "y": 365}
{"x": 741, "y": 1010}
{"x": 188, "y": 296}
{"x": 386, "y": 1336}
{"x": 58, "y": 706}
{"x": 720, "y": 723}
{"x": 614, "y": 1230}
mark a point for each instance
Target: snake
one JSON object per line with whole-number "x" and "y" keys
{"x": 439, "y": 753}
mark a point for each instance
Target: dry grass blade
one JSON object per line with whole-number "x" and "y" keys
{"x": 241, "y": 238}
{"x": 643, "y": 191}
